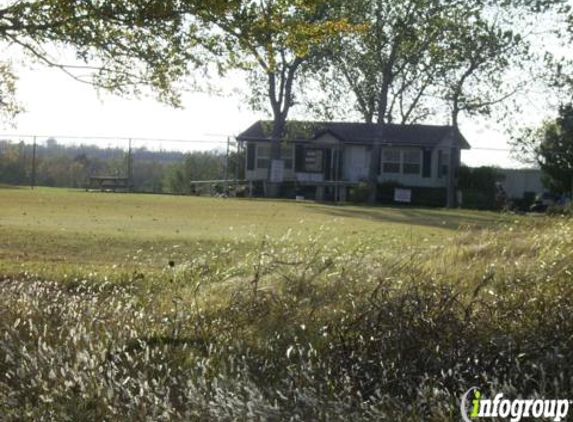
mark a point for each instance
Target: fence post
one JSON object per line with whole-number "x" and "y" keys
{"x": 33, "y": 181}
{"x": 129, "y": 167}
{"x": 227, "y": 168}
{"x": 236, "y": 165}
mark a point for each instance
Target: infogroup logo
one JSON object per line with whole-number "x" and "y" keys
{"x": 474, "y": 406}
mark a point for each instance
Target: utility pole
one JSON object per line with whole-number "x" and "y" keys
{"x": 33, "y": 181}
{"x": 129, "y": 167}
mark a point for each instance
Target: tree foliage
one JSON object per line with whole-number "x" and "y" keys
{"x": 555, "y": 151}
{"x": 272, "y": 40}
{"x": 480, "y": 51}
{"x": 9, "y": 106}
{"x": 120, "y": 46}
{"x": 156, "y": 42}
{"x": 207, "y": 165}
{"x": 384, "y": 65}
{"x": 439, "y": 58}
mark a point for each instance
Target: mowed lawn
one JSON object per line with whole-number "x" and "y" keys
{"x": 48, "y": 226}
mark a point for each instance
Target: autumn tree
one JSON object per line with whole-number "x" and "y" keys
{"x": 155, "y": 42}
{"x": 271, "y": 40}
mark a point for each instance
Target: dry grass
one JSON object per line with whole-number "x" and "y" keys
{"x": 353, "y": 313}
{"x": 59, "y": 231}
{"x": 306, "y": 326}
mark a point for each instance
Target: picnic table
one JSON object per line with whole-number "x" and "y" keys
{"x": 112, "y": 183}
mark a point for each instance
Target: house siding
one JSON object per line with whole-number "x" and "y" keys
{"x": 350, "y": 153}
{"x": 355, "y": 162}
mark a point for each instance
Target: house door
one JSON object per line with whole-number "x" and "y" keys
{"x": 357, "y": 163}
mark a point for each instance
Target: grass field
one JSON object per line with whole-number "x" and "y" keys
{"x": 274, "y": 310}
{"x": 45, "y": 227}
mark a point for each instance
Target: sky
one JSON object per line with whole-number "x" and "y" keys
{"x": 60, "y": 107}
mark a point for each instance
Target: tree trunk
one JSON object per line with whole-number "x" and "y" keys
{"x": 277, "y": 133}
{"x": 375, "y": 155}
{"x": 279, "y": 123}
{"x": 453, "y": 164}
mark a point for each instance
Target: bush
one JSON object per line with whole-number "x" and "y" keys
{"x": 561, "y": 210}
{"x": 478, "y": 186}
{"x": 524, "y": 204}
{"x": 429, "y": 197}
{"x": 288, "y": 190}
{"x": 359, "y": 194}
{"x": 478, "y": 200}
{"x": 385, "y": 192}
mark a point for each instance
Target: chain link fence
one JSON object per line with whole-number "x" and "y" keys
{"x": 120, "y": 164}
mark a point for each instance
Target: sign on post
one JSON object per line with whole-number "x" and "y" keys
{"x": 402, "y": 195}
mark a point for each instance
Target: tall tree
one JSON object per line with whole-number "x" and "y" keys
{"x": 272, "y": 40}
{"x": 396, "y": 55}
{"x": 123, "y": 45}
{"x": 554, "y": 151}
{"x": 154, "y": 42}
{"x": 482, "y": 48}
{"x": 428, "y": 56}
{"x": 390, "y": 67}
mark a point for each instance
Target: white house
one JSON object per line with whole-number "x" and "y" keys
{"x": 323, "y": 153}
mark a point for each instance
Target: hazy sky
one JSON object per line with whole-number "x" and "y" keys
{"x": 56, "y": 106}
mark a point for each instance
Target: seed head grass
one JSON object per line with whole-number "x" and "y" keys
{"x": 297, "y": 322}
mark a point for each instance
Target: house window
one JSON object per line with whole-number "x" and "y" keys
{"x": 391, "y": 161}
{"x": 411, "y": 162}
{"x": 401, "y": 161}
{"x": 263, "y": 156}
{"x": 313, "y": 160}
{"x": 287, "y": 154}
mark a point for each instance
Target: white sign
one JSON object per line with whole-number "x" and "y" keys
{"x": 402, "y": 195}
{"x": 277, "y": 171}
{"x": 310, "y": 177}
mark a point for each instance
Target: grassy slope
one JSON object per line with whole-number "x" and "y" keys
{"x": 391, "y": 315}
{"x": 65, "y": 227}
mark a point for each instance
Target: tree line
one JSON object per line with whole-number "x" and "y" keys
{"x": 71, "y": 166}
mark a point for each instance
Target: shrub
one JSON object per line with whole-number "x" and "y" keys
{"x": 385, "y": 192}
{"x": 359, "y": 194}
{"x": 561, "y": 210}
{"x": 478, "y": 186}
